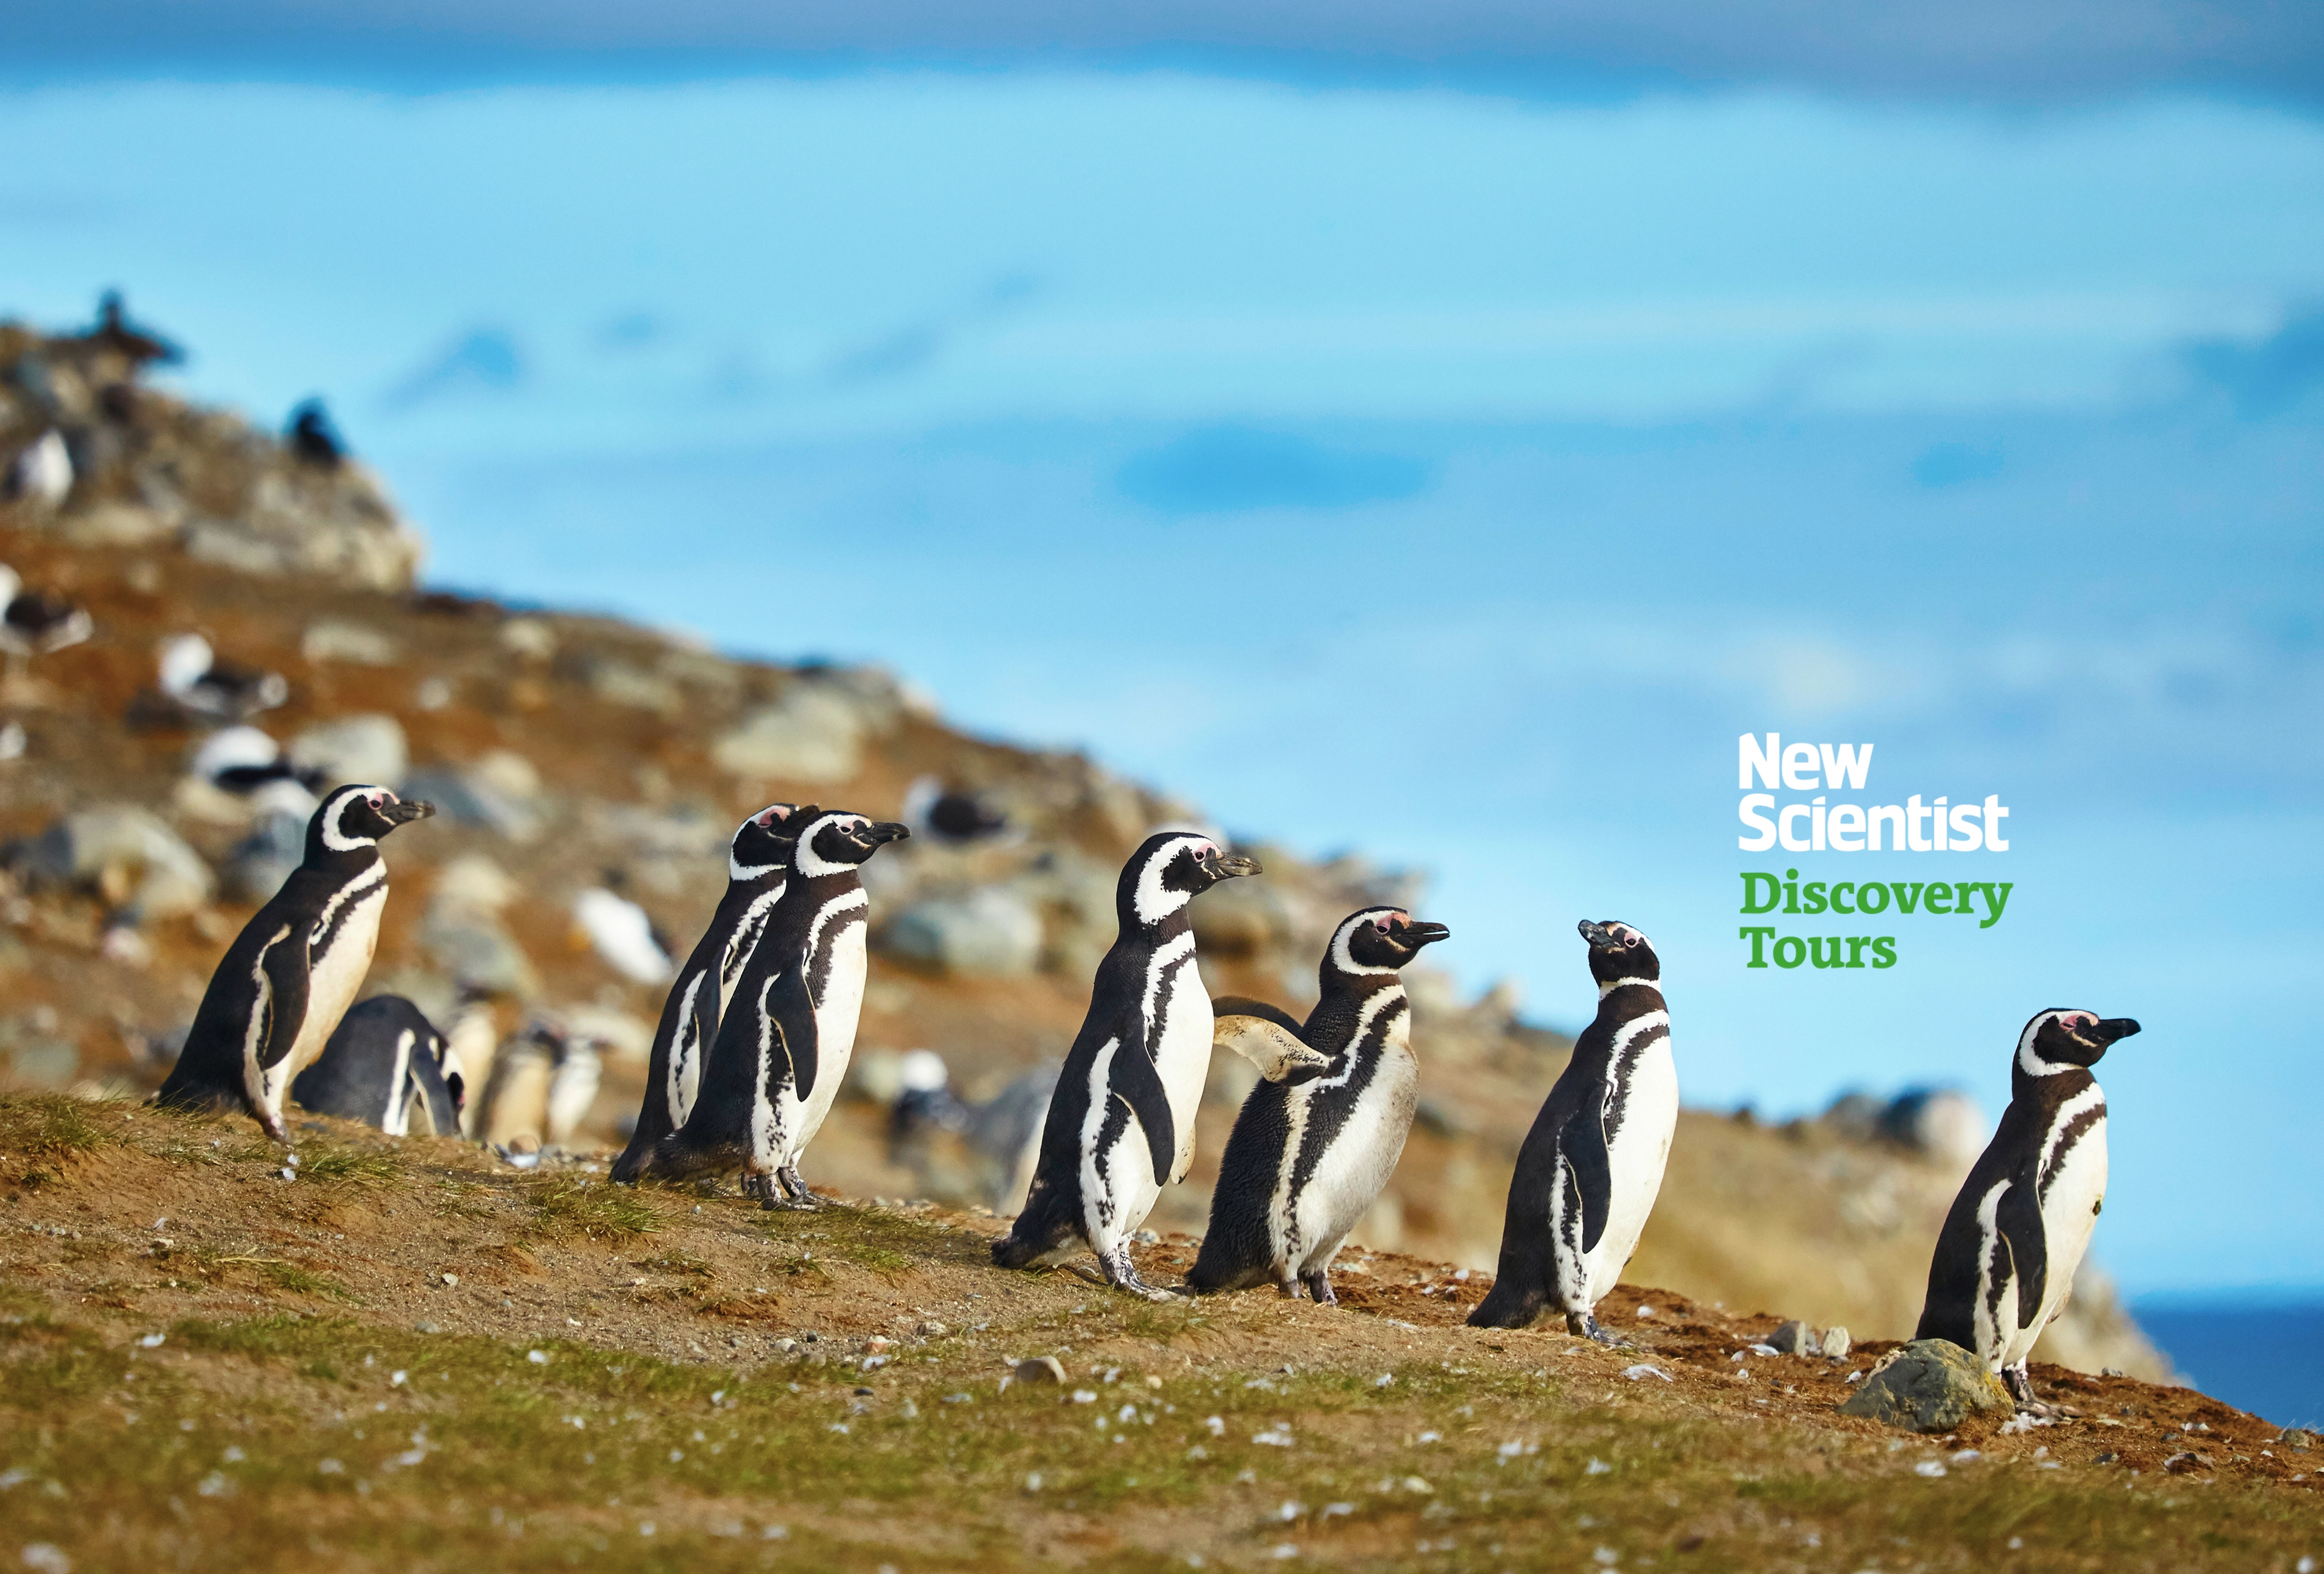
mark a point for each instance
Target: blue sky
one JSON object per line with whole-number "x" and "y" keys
{"x": 1445, "y": 472}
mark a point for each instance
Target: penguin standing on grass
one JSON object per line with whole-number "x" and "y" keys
{"x": 2006, "y": 1258}
{"x": 757, "y": 863}
{"x": 784, "y": 1043}
{"x": 1122, "y": 1123}
{"x": 279, "y": 994}
{"x": 1589, "y": 1171}
{"x": 385, "y": 1066}
{"x": 1315, "y": 1144}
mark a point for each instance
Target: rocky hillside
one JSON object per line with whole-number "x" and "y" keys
{"x": 588, "y": 768}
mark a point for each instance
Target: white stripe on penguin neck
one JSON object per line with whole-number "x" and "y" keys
{"x": 337, "y": 808}
{"x": 1153, "y": 902}
{"x": 2033, "y": 1065}
{"x": 1342, "y": 958}
{"x": 810, "y": 863}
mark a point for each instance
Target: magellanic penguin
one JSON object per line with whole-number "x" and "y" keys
{"x": 385, "y": 1066}
{"x": 789, "y": 1027}
{"x": 1122, "y": 1123}
{"x": 283, "y": 984}
{"x": 1588, "y": 1173}
{"x": 2005, "y": 1259}
{"x": 1315, "y": 1143}
{"x": 758, "y": 861}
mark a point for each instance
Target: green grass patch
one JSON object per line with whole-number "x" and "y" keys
{"x": 592, "y": 1210}
{"x": 43, "y": 1133}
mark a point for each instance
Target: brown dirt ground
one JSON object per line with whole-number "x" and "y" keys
{"x": 185, "y": 1224}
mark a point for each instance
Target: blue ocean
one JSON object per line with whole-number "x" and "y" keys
{"x": 2265, "y": 1358}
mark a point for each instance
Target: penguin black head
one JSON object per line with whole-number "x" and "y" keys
{"x": 355, "y": 818}
{"x": 1169, "y": 869}
{"x": 833, "y": 839}
{"x": 2060, "y": 1038}
{"x": 764, "y": 843}
{"x": 1379, "y": 939}
{"x": 1619, "y": 954}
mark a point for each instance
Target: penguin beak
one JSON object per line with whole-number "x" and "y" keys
{"x": 404, "y": 810}
{"x": 1417, "y": 935}
{"x": 1227, "y": 868}
{"x": 1599, "y": 937}
{"x": 2110, "y": 1030}
{"x": 885, "y": 831}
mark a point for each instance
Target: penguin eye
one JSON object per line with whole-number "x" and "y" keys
{"x": 1629, "y": 939}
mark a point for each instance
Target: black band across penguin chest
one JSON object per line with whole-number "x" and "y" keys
{"x": 1633, "y": 1020}
{"x": 1329, "y": 1097}
{"x": 364, "y": 882}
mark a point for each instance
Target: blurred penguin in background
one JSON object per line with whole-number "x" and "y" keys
{"x": 984, "y": 1152}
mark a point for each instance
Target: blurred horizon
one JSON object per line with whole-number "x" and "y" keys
{"x": 1440, "y": 462}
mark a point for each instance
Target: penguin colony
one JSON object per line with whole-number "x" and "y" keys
{"x": 760, "y": 1025}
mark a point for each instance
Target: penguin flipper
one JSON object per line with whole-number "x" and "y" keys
{"x": 1138, "y": 1085}
{"x": 790, "y": 1012}
{"x": 1582, "y": 1144}
{"x": 1266, "y": 1045}
{"x": 1226, "y": 1005}
{"x": 2018, "y": 1216}
{"x": 285, "y": 966}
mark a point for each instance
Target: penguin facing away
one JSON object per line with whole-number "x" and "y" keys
{"x": 1589, "y": 1168}
{"x": 1122, "y": 1123}
{"x": 281, "y": 989}
{"x": 2005, "y": 1261}
{"x": 1315, "y": 1144}
{"x": 385, "y": 1066}
{"x": 758, "y": 860}
{"x": 789, "y": 1030}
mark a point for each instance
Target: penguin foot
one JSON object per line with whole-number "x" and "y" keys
{"x": 800, "y": 1197}
{"x": 1319, "y": 1288}
{"x": 2021, "y": 1388}
{"x": 1588, "y": 1326}
{"x": 758, "y": 1188}
{"x": 1288, "y": 1288}
{"x": 1121, "y": 1275}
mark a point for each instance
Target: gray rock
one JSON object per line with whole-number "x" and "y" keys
{"x": 1793, "y": 1338}
{"x": 814, "y": 734}
{"x": 2300, "y": 1438}
{"x": 1929, "y": 1386}
{"x": 479, "y": 954}
{"x": 1940, "y": 1123}
{"x": 262, "y": 861}
{"x": 331, "y": 639}
{"x": 1855, "y": 1115}
{"x": 487, "y": 794}
{"x": 1835, "y": 1345}
{"x": 33, "y": 1056}
{"x": 1242, "y": 917}
{"x": 368, "y": 748}
{"x": 1041, "y": 1369}
{"x": 138, "y": 864}
{"x": 989, "y": 933}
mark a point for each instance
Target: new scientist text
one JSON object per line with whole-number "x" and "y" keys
{"x": 1910, "y": 826}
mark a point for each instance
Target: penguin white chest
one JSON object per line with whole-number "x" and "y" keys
{"x": 349, "y": 934}
{"x": 2073, "y": 1183}
{"x": 1182, "y": 1047}
{"x": 838, "y": 1010}
{"x": 1637, "y": 1149}
{"x": 1352, "y": 1170}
